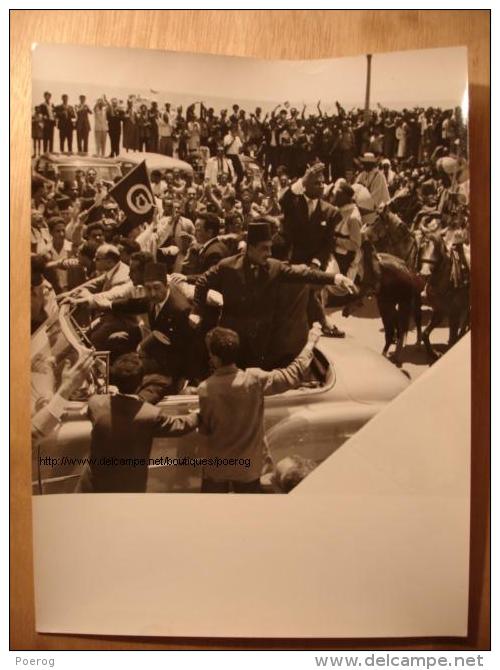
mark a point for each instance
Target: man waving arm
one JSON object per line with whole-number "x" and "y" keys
{"x": 301, "y": 274}
{"x": 284, "y": 379}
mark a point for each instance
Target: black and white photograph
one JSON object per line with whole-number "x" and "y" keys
{"x": 236, "y": 264}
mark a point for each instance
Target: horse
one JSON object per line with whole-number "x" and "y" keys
{"x": 447, "y": 289}
{"x": 390, "y": 234}
{"x": 397, "y": 290}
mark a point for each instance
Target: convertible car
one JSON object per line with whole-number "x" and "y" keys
{"x": 348, "y": 384}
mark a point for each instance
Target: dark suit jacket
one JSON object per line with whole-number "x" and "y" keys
{"x": 115, "y": 118}
{"x": 308, "y": 238}
{"x": 290, "y": 325}
{"x": 123, "y": 427}
{"x": 65, "y": 117}
{"x": 268, "y": 135}
{"x": 44, "y": 111}
{"x": 172, "y": 321}
{"x": 249, "y": 301}
{"x": 82, "y": 118}
{"x": 208, "y": 256}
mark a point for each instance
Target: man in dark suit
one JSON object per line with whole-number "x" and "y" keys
{"x": 308, "y": 222}
{"x": 166, "y": 350}
{"x": 49, "y": 121}
{"x": 291, "y": 323}
{"x": 115, "y": 117}
{"x": 308, "y": 230}
{"x": 65, "y": 122}
{"x": 208, "y": 250}
{"x": 82, "y": 125}
{"x": 272, "y": 134}
{"x": 123, "y": 429}
{"x": 211, "y": 249}
{"x": 249, "y": 285}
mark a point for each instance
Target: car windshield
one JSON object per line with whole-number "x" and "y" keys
{"x": 106, "y": 172}
{"x": 52, "y": 344}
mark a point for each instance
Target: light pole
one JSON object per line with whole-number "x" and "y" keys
{"x": 368, "y": 83}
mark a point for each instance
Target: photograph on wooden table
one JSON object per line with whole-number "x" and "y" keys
{"x": 236, "y": 264}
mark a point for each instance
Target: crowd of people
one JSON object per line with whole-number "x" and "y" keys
{"x": 247, "y": 252}
{"x": 284, "y": 136}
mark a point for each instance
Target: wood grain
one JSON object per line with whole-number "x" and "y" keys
{"x": 267, "y": 34}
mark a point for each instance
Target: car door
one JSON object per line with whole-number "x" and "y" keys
{"x": 171, "y": 469}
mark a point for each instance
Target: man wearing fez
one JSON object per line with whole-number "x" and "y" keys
{"x": 249, "y": 285}
{"x": 166, "y": 348}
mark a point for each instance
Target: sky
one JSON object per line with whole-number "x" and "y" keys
{"x": 399, "y": 79}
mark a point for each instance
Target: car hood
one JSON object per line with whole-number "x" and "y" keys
{"x": 362, "y": 375}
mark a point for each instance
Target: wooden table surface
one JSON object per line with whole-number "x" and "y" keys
{"x": 292, "y": 34}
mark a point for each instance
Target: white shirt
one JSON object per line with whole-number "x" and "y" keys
{"x": 62, "y": 274}
{"x": 232, "y": 145}
{"x": 298, "y": 189}
{"x": 164, "y": 126}
{"x": 311, "y": 205}
{"x": 216, "y": 166}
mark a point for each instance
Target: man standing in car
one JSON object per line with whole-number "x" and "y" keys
{"x": 249, "y": 285}
{"x": 167, "y": 348}
{"x": 308, "y": 230}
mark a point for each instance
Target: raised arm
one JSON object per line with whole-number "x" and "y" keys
{"x": 301, "y": 274}
{"x": 284, "y": 379}
{"x": 72, "y": 378}
{"x": 211, "y": 279}
{"x": 273, "y": 112}
{"x": 209, "y": 195}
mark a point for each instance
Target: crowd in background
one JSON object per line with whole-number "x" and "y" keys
{"x": 285, "y": 136}
{"x": 248, "y": 162}
{"x": 291, "y": 184}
